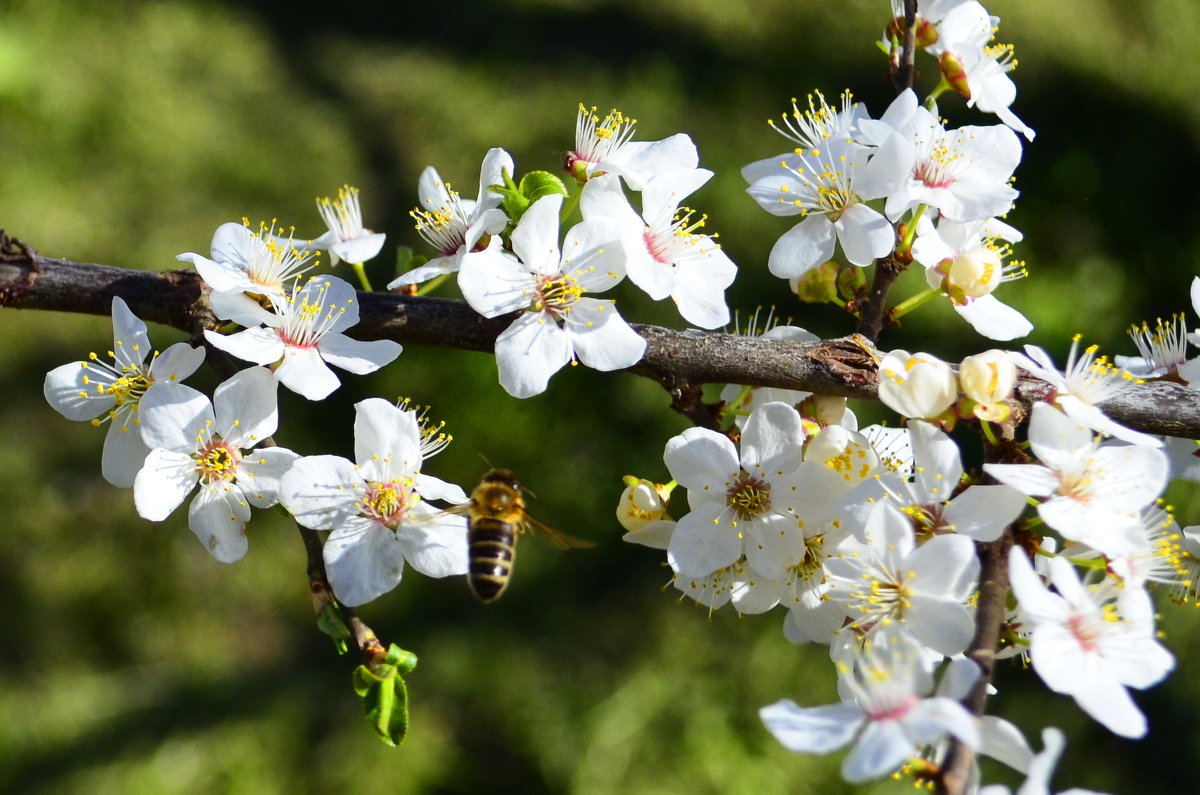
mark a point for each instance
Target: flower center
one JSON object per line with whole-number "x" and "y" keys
{"x": 556, "y": 295}
{"x": 749, "y": 496}
{"x": 217, "y": 461}
{"x": 389, "y": 502}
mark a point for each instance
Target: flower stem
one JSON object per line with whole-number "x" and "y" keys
{"x": 570, "y": 205}
{"x": 915, "y": 302}
{"x": 431, "y": 285}
{"x": 361, "y": 273}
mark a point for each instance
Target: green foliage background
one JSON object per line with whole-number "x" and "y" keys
{"x": 131, "y": 661}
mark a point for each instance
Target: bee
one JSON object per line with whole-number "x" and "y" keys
{"x": 495, "y": 517}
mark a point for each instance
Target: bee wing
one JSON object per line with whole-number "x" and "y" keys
{"x": 560, "y": 540}
{"x": 437, "y": 513}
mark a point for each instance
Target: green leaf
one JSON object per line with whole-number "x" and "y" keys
{"x": 537, "y": 184}
{"x": 404, "y": 660}
{"x": 385, "y": 700}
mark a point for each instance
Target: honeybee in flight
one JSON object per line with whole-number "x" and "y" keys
{"x": 495, "y": 517}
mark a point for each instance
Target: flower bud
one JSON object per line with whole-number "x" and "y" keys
{"x": 640, "y": 504}
{"x": 852, "y": 283}
{"x": 988, "y": 377}
{"x": 824, "y": 409}
{"x": 971, "y": 274}
{"x": 955, "y": 74}
{"x": 917, "y": 385}
{"x": 818, "y": 286}
{"x": 926, "y": 32}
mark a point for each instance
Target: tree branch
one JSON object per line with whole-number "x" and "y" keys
{"x": 679, "y": 360}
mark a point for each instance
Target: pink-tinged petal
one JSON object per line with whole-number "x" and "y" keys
{"x": 321, "y": 492}
{"x": 174, "y": 417}
{"x": 131, "y": 343}
{"x": 246, "y": 407}
{"x": 803, "y": 247}
{"x": 528, "y": 352}
{"x": 535, "y": 238}
{"x": 881, "y": 748}
{"x": 357, "y": 356}
{"x": 704, "y": 542}
{"x": 942, "y": 624}
{"x": 701, "y": 460}
{"x": 994, "y": 319}
{"x": 260, "y": 472}
{"x": 601, "y": 338}
{"x": 304, "y": 372}
{"x": 363, "y": 560}
{"x": 258, "y": 345}
{"x": 435, "y": 543}
{"x": 124, "y": 454}
{"x": 358, "y": 250}
{"x": 495, "y": 284}
{"x": 218, "y": 517}
{"x": 162, "y": 483}
{"x": 387, "y": 439}
{"x": 865, "y": 235}
{"x": 813, "y": 730}
{"x": 1031, "y": 479}
{"x": 773, "y": 439}
{"x": 67, "y": 393}
{"x": 982, "y": 512}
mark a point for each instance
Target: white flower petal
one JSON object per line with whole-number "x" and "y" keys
{"x": 363, "y": 560}
{"x": 218, "y": 517}
{"x": 321, "y": 492}
{"x": 528, "y": 352}
{"x": 304, "y": 372}
{"x": 357, "y": 356}
{"x": 260, "y": 472}
{"x": 803, "y": 247}
{"x": 163, "y": 482}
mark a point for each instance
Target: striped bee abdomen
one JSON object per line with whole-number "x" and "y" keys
{"x": 492, "y": 548}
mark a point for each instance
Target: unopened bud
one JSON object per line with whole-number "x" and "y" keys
{"x": 926, "y": 32}
{"x": 852, "y": 282}
{"x": 823, "y": 409}
{"x": 954, "y": 74}
{"x": 818, "y": 286}
{"x": 917, "y": 385}
{"x": 640, "y": 504}
{"x": 988, "y": 379}
{"x": 971, "y": 274}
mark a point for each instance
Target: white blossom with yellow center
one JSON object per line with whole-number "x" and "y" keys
{"x": 194, "y": 442}
{"x": 606, "y": 145}
{"x": 101, "y": 392}
{"x": 303, "y": 336}
{"x": 375, "y": 506}
{"x": 549, "y": 287}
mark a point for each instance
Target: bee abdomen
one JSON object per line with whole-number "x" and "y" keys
{"x": 492, "y": 549}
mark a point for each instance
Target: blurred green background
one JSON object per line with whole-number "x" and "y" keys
{"x": 130, "y": 661}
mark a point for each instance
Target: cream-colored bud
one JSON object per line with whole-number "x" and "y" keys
{"x": 973, "y": 274}
{"x": 640, "y": 505}
{"x": 916, "y": 385}
{"x": 988, "y": 377}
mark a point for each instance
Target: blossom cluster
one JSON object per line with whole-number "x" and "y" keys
{"x": 866, "y": 538}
